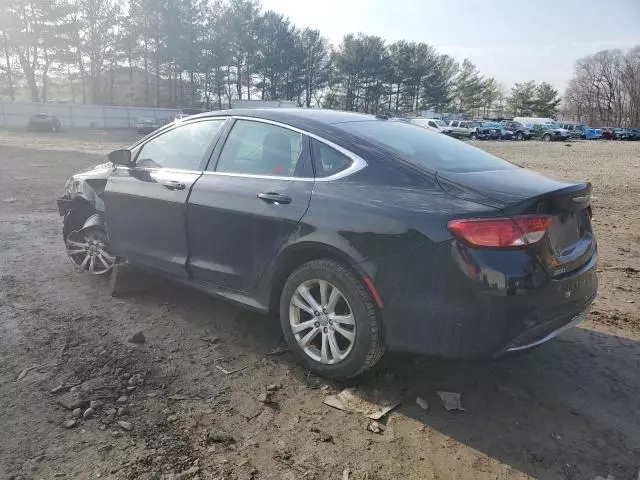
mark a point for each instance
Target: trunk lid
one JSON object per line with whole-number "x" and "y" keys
{"x": 569, "y": 242}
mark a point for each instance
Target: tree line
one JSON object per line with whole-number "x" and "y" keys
{"x": 207, "y": 53}
{"x": 605, "y": 89}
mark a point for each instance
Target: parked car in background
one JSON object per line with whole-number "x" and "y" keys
{"x": 465, "y": 255}
{"x": 491, "y": 130}
{"x": 519, "y": 130}
{"x": 461, "y": 128}
{"x": 635, "y": 134}
{"x": 147, "y": 125}
{"x": 44, "y": 122}
{"x": 181, "y": 116}
{"x": 431, "y": 124}
{"x": 503, "y": 133}
{"x": 575, "y": 129}
{"x": 607, "y": 133}
{"x": 622, "y": 134}
{"x": 547, "y": 133}
{"x": 589, "y": 133}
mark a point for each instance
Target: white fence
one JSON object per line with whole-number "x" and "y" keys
{"x": 17, "y": 114}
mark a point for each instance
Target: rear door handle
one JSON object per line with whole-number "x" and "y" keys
{"x": 174, "y": 185}
{"x": 274, "y": 198}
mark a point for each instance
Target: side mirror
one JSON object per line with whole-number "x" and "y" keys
{"x": 120, "y": 157}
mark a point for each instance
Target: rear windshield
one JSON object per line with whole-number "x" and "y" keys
{"x": 432, "y": 150}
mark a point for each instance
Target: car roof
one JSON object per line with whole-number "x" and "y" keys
{"x": 293, "y": 115}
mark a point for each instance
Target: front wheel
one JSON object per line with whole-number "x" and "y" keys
{"x": 473, "y": 136}
{"x": 330, "y": 320}
{"x": 546, "y": 138}
{"x": 519, "y": 136}
{"x": 89, "y": 250}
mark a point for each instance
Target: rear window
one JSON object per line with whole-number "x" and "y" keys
{"x": 427, "y": 149}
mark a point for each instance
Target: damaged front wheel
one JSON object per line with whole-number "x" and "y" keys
{"x": 89, "y": 250}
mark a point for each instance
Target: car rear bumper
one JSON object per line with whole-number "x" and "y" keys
{"x": 452, "y": 301}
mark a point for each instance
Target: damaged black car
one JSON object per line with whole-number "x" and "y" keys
{"x": 362, "y": 234}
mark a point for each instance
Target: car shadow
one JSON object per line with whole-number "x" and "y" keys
{"x": 573, "y": 402}
{"x": 569, "y": 409}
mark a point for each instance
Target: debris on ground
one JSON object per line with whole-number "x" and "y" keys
{"x": 9, "y": 200}
{"x": 230, "y": 372}
{"x": 266, "y": 398}
{"x": 211, "y": 340}
{"x": 609, "y": 477}
{"x": 422, "y": 403}
{"x": 69, "y": 423}
{"x": 373, "y": 405}
{"x": 24, "y": 372}
{"x": 346, "y": 474}
{"x": 125, "y": 425}
{"x": 172, "y": 418}
{"x": 57, "y": 389}
{"x": 77, "y": 413}
{"x": 138, "y": 337}
{"x": 375, "y": 427}
{"x": 88, "y": 413}
{"x": 274, "y": 387}
{"x": 219, "y": 437}
{"x": 451, "y": 401}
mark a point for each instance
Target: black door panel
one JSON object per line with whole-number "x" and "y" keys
{"x": 145, "y": 218}
{"x": 233, "y": 233}
{"x": 145, "y": 205}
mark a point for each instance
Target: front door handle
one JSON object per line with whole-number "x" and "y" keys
{"x": 174, "y": 185}
{"x": 274, "y": 198}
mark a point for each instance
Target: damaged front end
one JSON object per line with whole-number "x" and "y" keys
{"x": 84, "y": 230}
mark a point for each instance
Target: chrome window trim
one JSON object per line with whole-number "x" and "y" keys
{"x": 358, "y": 163}
{"x": 159, "y": 169}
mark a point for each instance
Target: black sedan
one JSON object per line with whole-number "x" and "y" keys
{"x": 44, "y": 122}
{"x": 362, "y": 233}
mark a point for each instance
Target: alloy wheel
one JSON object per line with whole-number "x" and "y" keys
{"x": 90, "y": 251}
{"x": 322, "y": 321}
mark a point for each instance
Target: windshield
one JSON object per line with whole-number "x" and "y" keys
{"x": 424, "y": 148}
{"x": 492, "y": 125}
{"x": 440, "y": 123}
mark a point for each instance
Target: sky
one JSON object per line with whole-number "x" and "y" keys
{"x": 511, "y": 40}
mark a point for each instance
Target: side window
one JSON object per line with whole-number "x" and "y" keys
{"x": 181, "y": 148}
{"x": 326, "y": 160}
{"x": 432, "y": 124}
{"x": 257, "y": 148}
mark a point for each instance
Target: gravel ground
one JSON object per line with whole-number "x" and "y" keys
{"x": 569, "y": 410}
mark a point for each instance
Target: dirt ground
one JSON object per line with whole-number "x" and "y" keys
{"x": 569, "y": 410}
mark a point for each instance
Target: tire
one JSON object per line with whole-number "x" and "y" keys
{"x": 473, "y": 136}
{"x": 546, "y": 138}
{"x": 367, "y": 345}
{"x": 89, "y": 250}
{"x": 519, "y": 136}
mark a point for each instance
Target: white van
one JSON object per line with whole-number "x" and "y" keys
{"x": 431, "y": 124}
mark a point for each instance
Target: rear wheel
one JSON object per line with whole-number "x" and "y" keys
{"x": 89, "y": 250}
{"x": 473, "y": 136}
{"x": 330, "y": 320}
{"x": 546, "y": 138}
{"x": 519, "y": 136}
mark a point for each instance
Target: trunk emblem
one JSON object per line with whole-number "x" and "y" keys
{"x": 584, "y": 199}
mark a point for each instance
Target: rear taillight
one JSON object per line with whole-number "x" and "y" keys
{"x": 501, "y": 232}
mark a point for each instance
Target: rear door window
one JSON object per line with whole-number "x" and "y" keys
{"x": 424, "y": 148}
{"x": 258, "y": 148}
